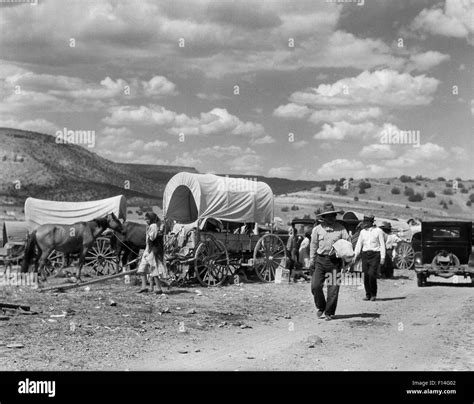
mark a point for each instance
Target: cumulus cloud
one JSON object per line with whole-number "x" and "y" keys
{"x": 282, "y": 172}
{"x": 292, "y": 111}
{"x": 454, "y": 21}
{"x": 428, "y": 152}
{"x": 344, "y": 114}
{"x": 378, "y": 151}
{"x": 352, "y": 168}
{"x": 246, "y": 164}
{"x": 342, "y": 130}
{"x": 218, "y": 121}
{"x": 426, "y": 61}
{"x": 36, "y": 125}
{"x": 381, "y": 87}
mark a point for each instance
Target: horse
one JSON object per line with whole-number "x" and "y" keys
{"x": 129, "y": 242}
{"x": 68, "y": 239}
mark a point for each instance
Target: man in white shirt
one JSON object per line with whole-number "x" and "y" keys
{"x": 371, "y": 247}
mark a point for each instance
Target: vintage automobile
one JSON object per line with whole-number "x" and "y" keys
{"x": 446, "y": 251}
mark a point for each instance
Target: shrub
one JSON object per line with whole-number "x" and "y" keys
{"x": 323, "y": 188}
{"x": 447, "y": 191}
{"x": 468, "y": 203}
{"x": 464, "y": 191}
{"x": 450, "y": 202}
{"x": 415, "y": 197}
{"x": 356, "y": 198}
{"x": 129, "y": 212}
{"x": 445, "y": 205}
{"x": 396, "y": 191}
{"x": 378, "y": 198}
{"x": 430, "y": 194}
{"x": 294, "y": 207}
{"x": 285, "y": 209}
{"x": 361, "y": 190}
{"x": 409, "y": 191}
{"x": 343, "y": 192}
{"x": 364, "y": 185}
{"x": 337, "y": 188}
{"x": 419, "y": 184}
{"x": 449, "y": 184}
{"x": 461, "y": 185}
{"x": 406, "y": 178}
{"x": 407, "y": 207}
{"x": 388, "y": 183}
{"x": 441, "y": 179}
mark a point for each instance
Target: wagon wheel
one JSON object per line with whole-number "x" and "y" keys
{"x": 101, "y": 258}
{"x": 269, "y": 254}
{"x": 211, "y": 262}
{"x": 54, "y": 262}
{"x": 405, "y": 258}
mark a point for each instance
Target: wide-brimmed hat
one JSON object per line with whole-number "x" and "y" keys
{"x": 328, "y": 209}
{"x": 387, "y": 226}
{"x": 369, "y": 219}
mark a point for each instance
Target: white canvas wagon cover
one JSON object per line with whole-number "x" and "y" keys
{"x": 40, "y": 211}
{"x": 189, "y": 197}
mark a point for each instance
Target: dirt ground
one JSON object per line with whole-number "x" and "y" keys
{"x": 251, "y": 326}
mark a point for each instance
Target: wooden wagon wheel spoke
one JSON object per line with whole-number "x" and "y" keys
{"x": 211, "y": 263}
{"x": 268, "y": 255}
{"x": 405, "y": 258}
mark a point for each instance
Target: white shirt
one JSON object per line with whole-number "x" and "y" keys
{"x": 391, "y": 240}
{"x": 371, "y": 239}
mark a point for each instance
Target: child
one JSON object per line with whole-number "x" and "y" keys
{"x": 152, "y": 259}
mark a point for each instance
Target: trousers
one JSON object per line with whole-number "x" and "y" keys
{"x": 326, "y": 267}
{"x": 370, "y": 266}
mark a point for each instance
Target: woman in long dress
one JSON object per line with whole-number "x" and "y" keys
{"x": 152, "y": 259}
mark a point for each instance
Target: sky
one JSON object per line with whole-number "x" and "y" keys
{"x": 299, "y": 89}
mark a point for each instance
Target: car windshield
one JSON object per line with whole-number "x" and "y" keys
{"x": 451, "y": 232}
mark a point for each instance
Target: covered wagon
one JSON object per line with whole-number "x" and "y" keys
{"x": 220, "y": 225}
{"x": 100, "y": 257}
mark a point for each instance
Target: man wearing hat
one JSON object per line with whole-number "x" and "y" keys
{"x": 391, "y": 241}
{"x": 324, "y": 261}
{"x": 371, "y": 247}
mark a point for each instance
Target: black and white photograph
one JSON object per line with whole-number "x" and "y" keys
{"x": 237, "y": 186}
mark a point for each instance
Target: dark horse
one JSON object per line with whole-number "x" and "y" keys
{"x": 129, "y": 242}
{"x": 76, "y": 238}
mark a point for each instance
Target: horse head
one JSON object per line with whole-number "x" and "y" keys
{"x": 114, "y": 223}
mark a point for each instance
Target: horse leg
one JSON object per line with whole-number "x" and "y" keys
{"x": 42, "y": 263}
{"x": 82, "y": 258}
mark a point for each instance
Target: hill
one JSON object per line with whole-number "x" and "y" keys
{"x": 385, "y": 197}
{"x": 33, "y": 164}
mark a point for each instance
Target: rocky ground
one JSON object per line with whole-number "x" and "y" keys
{"x": 251, "y": 326}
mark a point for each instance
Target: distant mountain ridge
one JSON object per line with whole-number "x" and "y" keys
{"x": 33, "y": 164}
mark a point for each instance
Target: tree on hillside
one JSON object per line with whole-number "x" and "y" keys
{"x": 395, "y": 191}
{"x": 406, "y": 178}
{"x": 430, "y": 194}
{"x": 471, "y": 198}
{"x": 447, "y": 191}
{"x": 415, "y": 197}
{"x": 408, "y": 191}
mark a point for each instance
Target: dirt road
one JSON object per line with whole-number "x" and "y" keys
{"x": 408, "y": 328}
{"x": 251, "y": 326}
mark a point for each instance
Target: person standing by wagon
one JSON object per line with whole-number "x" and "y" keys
{"x": 391, "y": 241}
{"x": 324, "y": 261}
{"x": 371, "y": 247}
{"x": 152, "y": 259}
